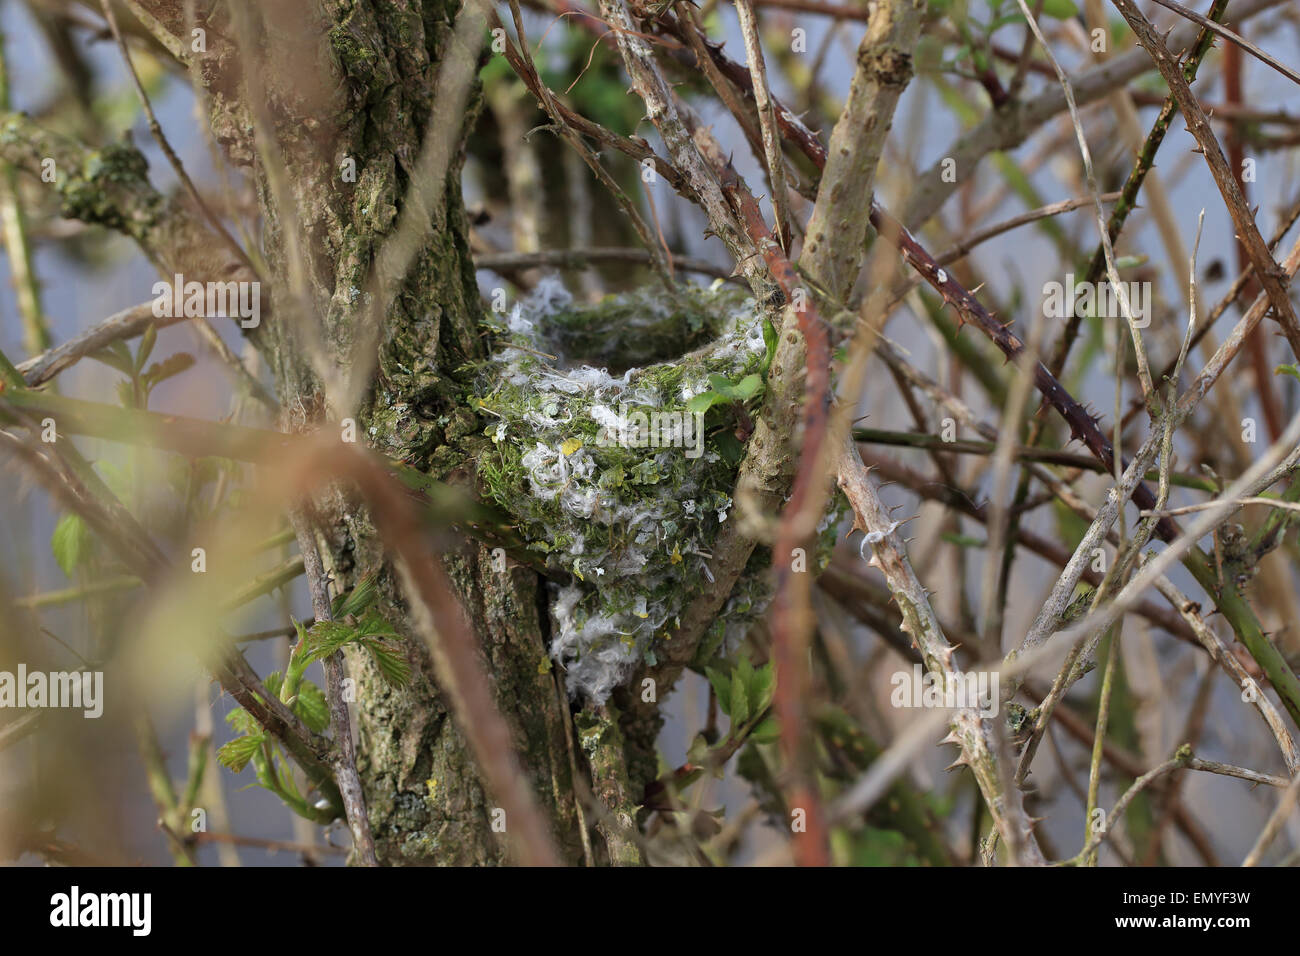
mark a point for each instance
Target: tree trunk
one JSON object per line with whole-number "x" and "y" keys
{"x": 378, "y": 66}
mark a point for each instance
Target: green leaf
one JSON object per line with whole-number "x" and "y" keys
{"x": 236, "y": 754}
{"x": 70, "y": 543}
{"x": 762, "y": 683}
{"x": 312, "y": 707}
{"x": 704, "y": 401}
{"x": 324, "y": 638}
{"x": 116, "y": 356}
{"x": 169, "y": 367}
{"x": 770, "y": 339}
{"x": 147, "y": 342}
{"x": 721, "y": 384}
{"x": 744, "y": 673}
{"x": 373, "y": 625}
{"x": 1292, "y": 370}
{"x": 722, "y": 391}
{"x": 747, "y": 388}
{"x": 358, "y": 600}
{"x": 767, "y": 731}
{"x": 698, "y": 753}
{"x": 241, "y": 721}
{"x": 390, "y": 660}
{"x": 729, "y": 447}
{"x": 739, "y": 712}
{"x": 721, "y": 688}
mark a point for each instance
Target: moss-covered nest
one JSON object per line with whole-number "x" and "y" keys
{"x": 612, "y": 477}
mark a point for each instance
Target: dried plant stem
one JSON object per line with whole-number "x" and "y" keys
{"x": 1008, "y": 128}
{"x": 1103, "y": 720}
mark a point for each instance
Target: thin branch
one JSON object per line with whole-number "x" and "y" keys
{"x": 1179, "y": 761}
{"x": 1007, "y": 128}
{"x": 173, "y": 239}
{"x": 1142, "y": 167}
{"x": 126, "y": 324}
{"x": 837, "y": 230}
{"x": 1024, "y": 453}
{"x": 1224, "y": 657}
{"x": 1236, "y": 38}
{"x": 969, "y": 731}
{"x": 156, "y": 131}
{"x": 664, "y": 114}
{"x": 1241, "y": 773}
{"x": 1269, "y": 273}
{"x": 134, "y": 547}
{"x": 569, "y": 125}
{"x": 1285, "y": 806}
{"x": 17, "y": 244}
{"x": 767, "y": 120}
{"x": 964, "y": 247}
{"x": 1144, "y": 370}
{"x": 1280, "y": 458}
{"x": 1236, "y": 503}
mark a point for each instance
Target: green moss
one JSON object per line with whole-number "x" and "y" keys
{"x": 640, "y": 328}
{"x": 615, "y": 482}
{"x": 91, "y": 192}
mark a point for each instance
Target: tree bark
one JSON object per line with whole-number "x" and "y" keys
{"x": 351, "y": 82}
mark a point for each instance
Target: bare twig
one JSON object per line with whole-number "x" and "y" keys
{"x": 968, "y": 730}
{"x": 1269, "y": 273}
{"x": 1177, "y": 762}
{"x": 1008, "y": 128}
{"x": 1241, "y": 773}
{"x": 156, "y": 131}
{"x": 126, "y": 324}
{"x": 1144, "y": 370}
{"x": 1224, "y": 657}
{"x": 1236, "y": 38}
{"x": 767, "y": 120}
{"x": 1285, "y": 806}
